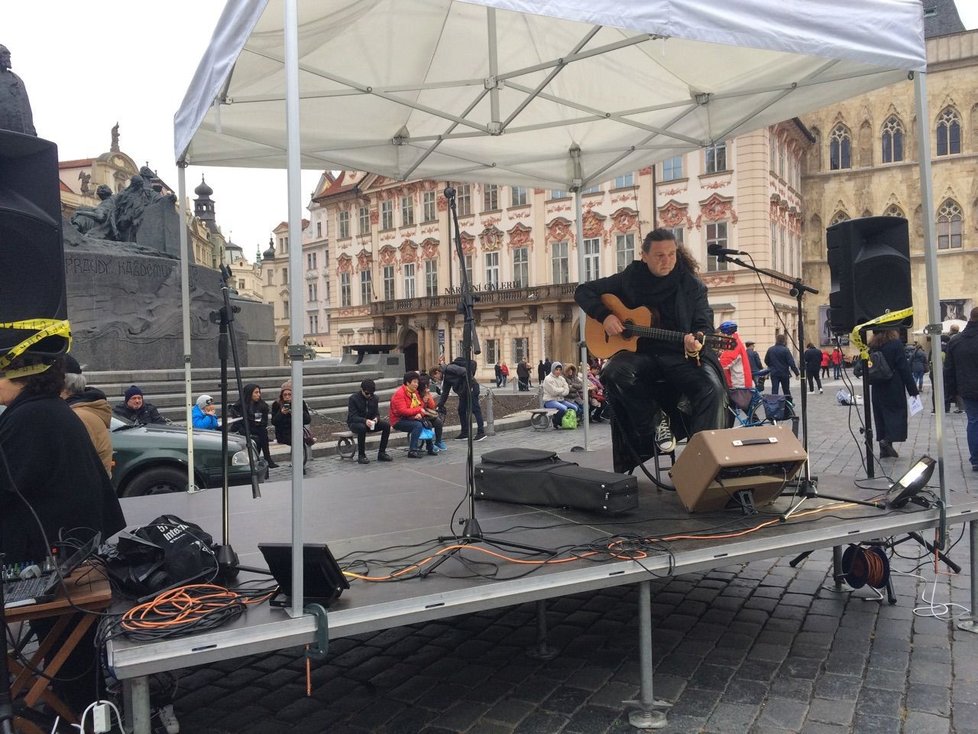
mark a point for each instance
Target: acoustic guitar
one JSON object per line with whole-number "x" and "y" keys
{"x": 638, "y": 322}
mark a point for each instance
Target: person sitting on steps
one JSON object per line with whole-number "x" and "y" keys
{"x": 363, "y": 417}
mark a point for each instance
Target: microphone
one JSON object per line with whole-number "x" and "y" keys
{"x": 718, "y": 251}
{"x": 449, "y": 192}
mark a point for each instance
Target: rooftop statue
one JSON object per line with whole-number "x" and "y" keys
{"x": 15, "y": 107}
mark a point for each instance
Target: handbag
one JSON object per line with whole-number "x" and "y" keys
{"x": 307, "y": 438}
{"x": 879, "y": 368}
{"x": 427, "y": 434}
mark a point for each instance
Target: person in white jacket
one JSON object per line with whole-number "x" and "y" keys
{"x": 555, "y": 391}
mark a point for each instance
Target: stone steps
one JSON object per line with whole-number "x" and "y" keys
{"x": 326, "y": 387}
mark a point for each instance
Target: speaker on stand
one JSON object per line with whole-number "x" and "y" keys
{"x": 32, "y": 269}
{"x": 869, "y": 264}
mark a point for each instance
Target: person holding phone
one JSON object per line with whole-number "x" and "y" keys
{"x": 282, "y": 415}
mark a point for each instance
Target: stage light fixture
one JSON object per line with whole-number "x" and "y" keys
{"x": 910, "y": 484}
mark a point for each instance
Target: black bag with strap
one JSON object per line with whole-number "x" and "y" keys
{"x": 879, "y": 368}
{"x": 537, "y": 477}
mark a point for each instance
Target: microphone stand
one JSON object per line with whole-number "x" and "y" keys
{"x": 227, "y": 559}
{"x": 807, "y": 485}
{"x": 471, "y": 530}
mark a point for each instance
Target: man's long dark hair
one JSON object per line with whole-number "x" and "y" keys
{"x": 661, "y": 234}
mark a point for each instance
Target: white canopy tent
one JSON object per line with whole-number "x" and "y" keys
{"x": 560, "y": 94}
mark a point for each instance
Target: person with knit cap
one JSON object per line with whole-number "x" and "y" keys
{"x": 136, "y": 409}
{"x": 91, "y": 406}
{"x": 204, "y": 415}
{"x": 555, "y": 391}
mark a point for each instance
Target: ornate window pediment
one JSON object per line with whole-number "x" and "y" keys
{"x": 559, "y": 230}
{"x": 409, "y": 251}
{"x": 344, "y": 263}
{"x": 519, "y": 236}
{"x": 491, "y": 238}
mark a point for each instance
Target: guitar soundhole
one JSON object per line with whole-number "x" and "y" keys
{"x": 627, "y": 333}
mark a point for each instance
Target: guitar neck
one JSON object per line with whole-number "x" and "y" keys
{"x": 651, "y": 332}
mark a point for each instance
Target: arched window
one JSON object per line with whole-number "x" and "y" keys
{"x": 839, "y": 216}
{"x": 892, "y": 140}
{"x": 840, "y": 148}
{"x": 948, "y": 132}
{"x": 949, "y": 225}
{"x": 894, "y": 211}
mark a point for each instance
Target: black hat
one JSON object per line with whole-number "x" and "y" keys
{"x": 71, "y": 365}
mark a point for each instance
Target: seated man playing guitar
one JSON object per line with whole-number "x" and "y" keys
{"x": 661, "y": 299}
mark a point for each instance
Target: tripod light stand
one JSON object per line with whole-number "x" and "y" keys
{"x": 226, "y": 557}
{"x": 471, "y": 530}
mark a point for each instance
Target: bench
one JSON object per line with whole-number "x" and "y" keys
{"x": 540, "y": 418}
{"x": 346, "y": 447}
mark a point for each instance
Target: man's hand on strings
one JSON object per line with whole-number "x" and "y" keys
{"x": 692, "y": 344}
{"x": 613, "y": 325}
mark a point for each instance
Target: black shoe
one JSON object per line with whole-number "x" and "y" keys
{"x": 480, "y": 437}
{"x": 272, "y": 465}
{"x": 363, "y": 460}
{"x": 415, "y": 454}
{"x": 462, "y": 437}
{"x": 887, "y": 451}
{"x": 384, "y": 456}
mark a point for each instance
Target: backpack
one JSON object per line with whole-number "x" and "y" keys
{"x": 879, "y": 368}
{"x": 569, "y": 420}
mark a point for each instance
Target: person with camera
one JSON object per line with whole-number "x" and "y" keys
{"x": 363, "y": 417}
{"x": 282, "y": 415}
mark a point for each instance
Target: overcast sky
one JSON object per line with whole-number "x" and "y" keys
{"x": 89, "y": 65}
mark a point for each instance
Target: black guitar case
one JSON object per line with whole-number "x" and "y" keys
{"x": 536, "y": 477}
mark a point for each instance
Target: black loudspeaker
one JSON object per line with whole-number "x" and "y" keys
{"x": 716, "y": 465}
{"x": 869, "y": 263}
{"x": 32, "y": 263}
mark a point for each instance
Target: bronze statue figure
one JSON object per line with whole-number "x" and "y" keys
{"x": 15, "y": 107}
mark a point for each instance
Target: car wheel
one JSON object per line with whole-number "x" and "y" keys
{"x": 159, "y": 480}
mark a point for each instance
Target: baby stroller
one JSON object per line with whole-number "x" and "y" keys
{"x": 750, "y": 408}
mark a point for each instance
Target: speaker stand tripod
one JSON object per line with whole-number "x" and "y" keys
{"x": 471, "y": 530}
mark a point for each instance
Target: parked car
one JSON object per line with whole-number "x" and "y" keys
{"x": 152, "y": 459}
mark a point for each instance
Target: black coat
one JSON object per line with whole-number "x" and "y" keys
{"x": 961, "y": 363}
{"x": 256, "y": 413}
{"x": 359, "y": 409}
{"x": 691, "y": 310}
{"x": 889, "y": 399}
{"x": 755, "y": 361}
{"x": 780, "y": 361}
{"x": 55, "y": 468}
{"x": 813, "y": 360}
{"x": 147, "y": 413}
{"x": 283, "y": 422}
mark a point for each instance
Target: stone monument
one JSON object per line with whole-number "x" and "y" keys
{"x": 122, "y": 273}
{"x": 15, "y": 107}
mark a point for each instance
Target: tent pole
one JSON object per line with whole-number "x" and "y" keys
{"x": 930, "y": 261}
{"x": 296, "y": 296}
{"x": 582, "y": 367}
{"x": 185, "y": 308}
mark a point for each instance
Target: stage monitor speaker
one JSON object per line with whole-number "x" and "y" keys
{"x": 716, "y": 465}
{"x": 869, "y": 264}
{"x": 32, "y": 264}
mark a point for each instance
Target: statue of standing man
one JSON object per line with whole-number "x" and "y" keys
{"x": 15, "y": 107}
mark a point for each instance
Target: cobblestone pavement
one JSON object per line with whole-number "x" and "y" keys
{"x": 759, "y": 647}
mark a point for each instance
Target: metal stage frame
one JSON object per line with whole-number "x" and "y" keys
{"x": 366, "y": 514}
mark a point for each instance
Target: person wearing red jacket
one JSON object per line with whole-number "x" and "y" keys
{"x": 407, "y": 413}
{"x": 735, "y": 362}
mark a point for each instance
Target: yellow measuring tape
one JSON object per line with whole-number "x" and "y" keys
{"x": 856, "y": 336}
{"x": 43, "y": 329}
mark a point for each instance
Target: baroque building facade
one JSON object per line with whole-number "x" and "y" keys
{"x": 395, "y": 276}
{"x": 865, "y": 163}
